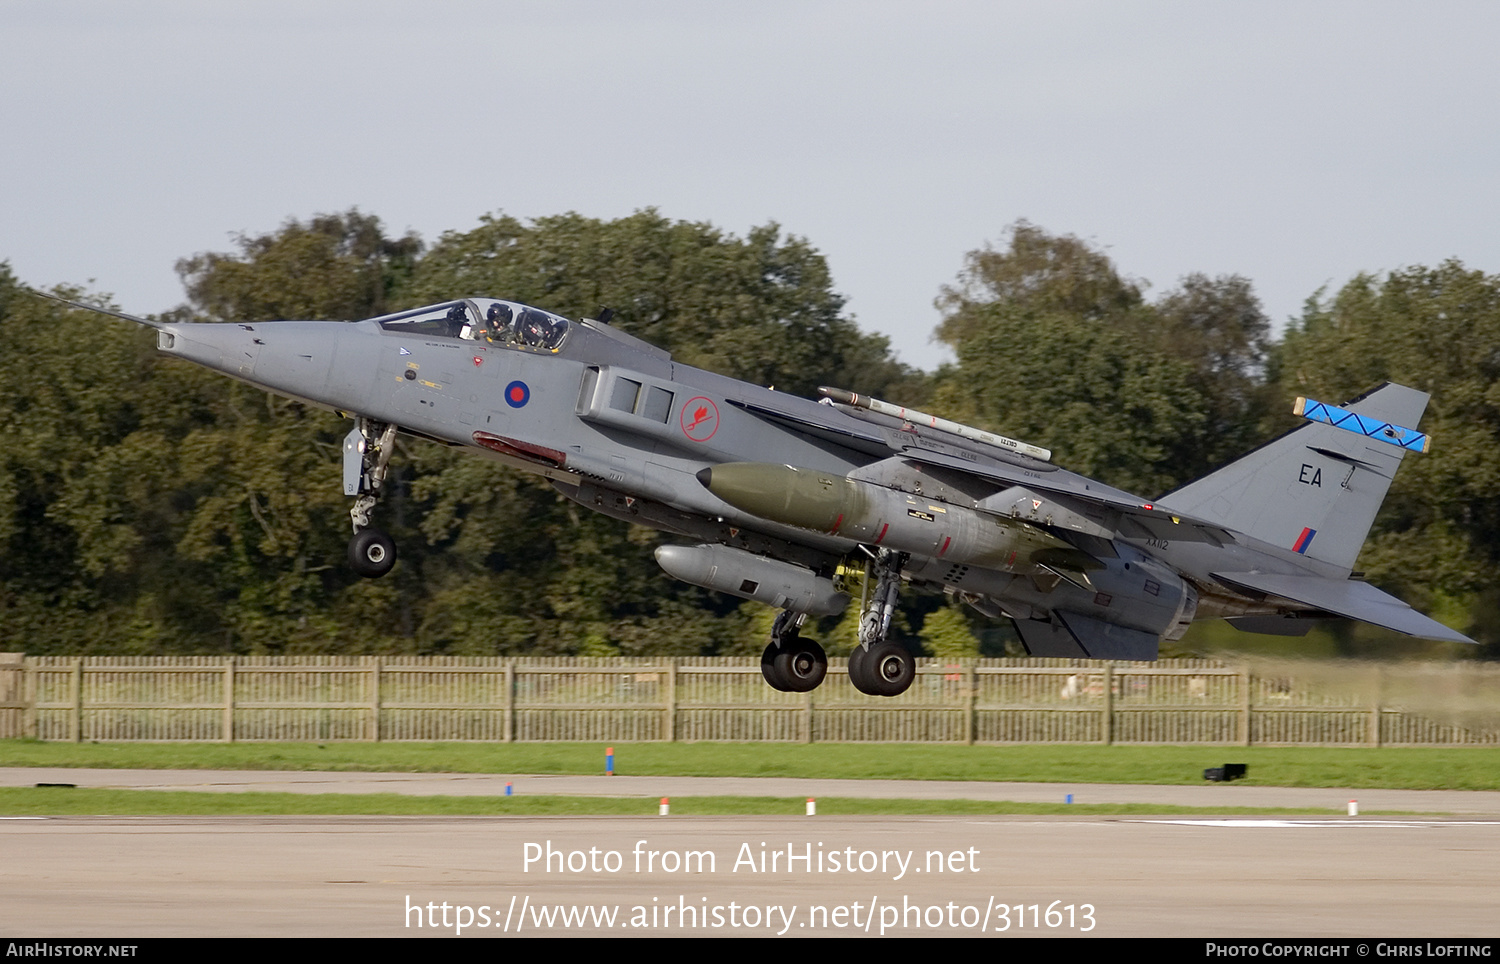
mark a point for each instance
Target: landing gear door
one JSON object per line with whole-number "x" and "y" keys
{"x": 353, "y": 461}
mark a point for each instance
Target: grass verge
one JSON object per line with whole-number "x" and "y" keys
{"x": 1441, "y": 768}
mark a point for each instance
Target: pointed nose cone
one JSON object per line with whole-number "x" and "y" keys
{"x": 231, "y": 349}
{"x": 291, "y": 358}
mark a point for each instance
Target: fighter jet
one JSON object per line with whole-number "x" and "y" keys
{"x": 788, "y": 501}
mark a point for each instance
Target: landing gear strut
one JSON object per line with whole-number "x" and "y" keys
{"x": 880, "y": 666}
{"x": 367, "y": 454}
{"x": 790, "y": 663}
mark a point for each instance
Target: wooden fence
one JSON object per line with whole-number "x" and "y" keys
{"x": 620, "y": 699}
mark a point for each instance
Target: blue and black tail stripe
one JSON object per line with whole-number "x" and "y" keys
{"x": 1397, "y": 435}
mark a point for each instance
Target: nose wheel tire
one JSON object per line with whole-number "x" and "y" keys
{"x": 371, "y": 553}
{"x": 885, "y": 669}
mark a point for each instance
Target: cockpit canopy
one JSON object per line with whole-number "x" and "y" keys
{"x": 488, "y": 320}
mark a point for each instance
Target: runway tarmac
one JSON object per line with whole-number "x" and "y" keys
{"x": 120, "y": 877}
{"x": 912, "y": 876}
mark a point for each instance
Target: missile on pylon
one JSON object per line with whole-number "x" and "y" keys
{"x": 915, "y": 417}
{"x": 875, "y": 515}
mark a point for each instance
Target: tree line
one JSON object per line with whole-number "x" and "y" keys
{"x": 148, "y": 506}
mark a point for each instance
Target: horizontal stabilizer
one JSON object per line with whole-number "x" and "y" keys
{"x": 1081, "y": 637}
{"x": 1345, "y": 597}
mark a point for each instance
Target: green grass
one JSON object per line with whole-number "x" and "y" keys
{"x": 59, "y": 801}
{"x": 1475, "y": 768}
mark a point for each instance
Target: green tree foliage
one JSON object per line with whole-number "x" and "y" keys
{"x": 1105, "y": 405}
{"x": 1217, "y": 326}
{"x": 946, "y": 634}
{"x": 68, "y": 399}
{"x": 1037, "y": 274}
{"x": 334, "y": 267}
{"x": 1056, "y": 347}
{"x": 155, "y": 506}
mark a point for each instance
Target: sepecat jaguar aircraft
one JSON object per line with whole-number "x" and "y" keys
{"x": 780, "y": 497}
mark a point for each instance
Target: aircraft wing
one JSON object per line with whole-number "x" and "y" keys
{"x": 1131, "y": 517}
{"x": 1345, "y": 597}
{"x": 843, "y": 431}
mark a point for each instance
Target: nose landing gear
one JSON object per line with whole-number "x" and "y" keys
{"x": 367, "y": 454}
{"x": 372, "y": 553}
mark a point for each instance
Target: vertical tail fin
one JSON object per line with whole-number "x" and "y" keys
{"x": 1314, "y": 490}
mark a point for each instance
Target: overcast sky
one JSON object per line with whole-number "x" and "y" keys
{"x": 1293, "y": 143}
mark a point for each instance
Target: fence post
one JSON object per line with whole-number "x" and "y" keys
{"x": 78, "y": 700}
{"x": 671, "y": 696}
{"x": 1243, "y": 678}
{"x": 510, "y": 700}
{"x": 971, "y": 687}
{"x": 226, "y": 722}
{"x": 1107, "y": 721}
{"x": 29, "y": 724}
{"x": 374, "y": 730}
{"x": 1374, "y": 734}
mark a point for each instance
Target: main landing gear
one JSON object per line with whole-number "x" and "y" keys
{"x": 367, "y": 454}
{"x": 791, "y": 663}
{"x": 880, "y": 666}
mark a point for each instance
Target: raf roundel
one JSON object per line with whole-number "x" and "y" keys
{"x": 517, "y": 394}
